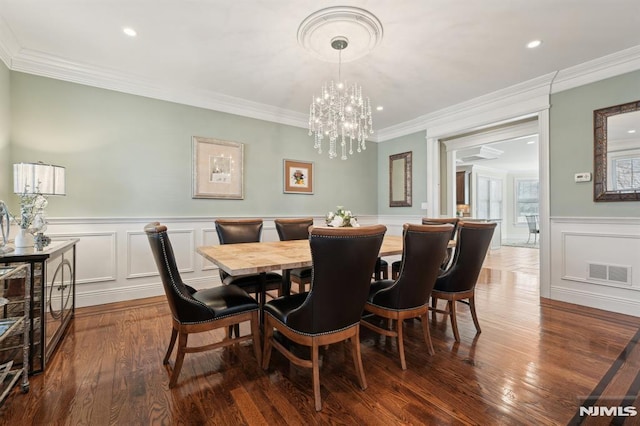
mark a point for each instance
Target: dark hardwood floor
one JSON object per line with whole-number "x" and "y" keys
{"x": 535, "y": 362}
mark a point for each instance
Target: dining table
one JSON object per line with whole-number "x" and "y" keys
{"x": 260, "y": 258}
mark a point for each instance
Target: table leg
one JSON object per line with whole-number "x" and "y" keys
{"x": 262, "y": 298}
{"x": 286, "y": 282}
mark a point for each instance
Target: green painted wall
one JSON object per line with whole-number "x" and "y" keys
{"x": 5, "y": 115}
{"x": 130, "y": 156}
{"x": 417, "y": 144}
{"x": 571, "y": 146}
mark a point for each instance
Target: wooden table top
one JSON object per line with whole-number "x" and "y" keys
{"x": 253, "y": 258}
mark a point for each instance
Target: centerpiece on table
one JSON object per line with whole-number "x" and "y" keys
{"x": 341, "y": 218}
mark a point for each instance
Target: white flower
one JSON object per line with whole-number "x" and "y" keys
{"x": 336, "y": 222}
{"x": 341, "y": 218}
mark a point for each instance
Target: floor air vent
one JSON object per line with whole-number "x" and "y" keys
{"x": 610, "y": 273}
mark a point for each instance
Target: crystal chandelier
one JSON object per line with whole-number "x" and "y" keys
{"x": 340, "y": 114}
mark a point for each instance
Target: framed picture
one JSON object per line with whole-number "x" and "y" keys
{"x": 217, "y": 169}
{"x": 298, "y": 177}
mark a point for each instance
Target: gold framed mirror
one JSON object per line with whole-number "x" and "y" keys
{"x": 400, "y": 179}
{"x": 616, "y": 132}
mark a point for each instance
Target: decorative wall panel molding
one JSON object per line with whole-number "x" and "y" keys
{"x": 93, "y": 246}
{"x": 595, "y": 262}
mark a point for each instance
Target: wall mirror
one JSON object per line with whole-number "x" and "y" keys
{"x": 400, "y": 180}
{"x": 617, "y": 153}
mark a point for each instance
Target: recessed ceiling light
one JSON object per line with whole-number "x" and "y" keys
{"x": 379, "y": 108}
{"x": 531, "y": 142}
{"x": 130, "y": 32}
{"x": 534, "y": 43}
{"x": 631, "y": 131}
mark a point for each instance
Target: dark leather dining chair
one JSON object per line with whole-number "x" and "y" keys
{"x": 235, "y": 231}
{"x": 459, "y": 281}
{"x": 295, "y": 229}
{"x": 424, "y": 246}
{"x": 330, "y": 312}
{"x": 395, "y": 266}
{"x": 197, "y": 311}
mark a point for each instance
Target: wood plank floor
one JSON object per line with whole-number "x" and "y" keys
{"x": 535, "y": 362}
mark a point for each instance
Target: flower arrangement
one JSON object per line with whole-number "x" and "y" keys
{"x": 32, "y": 218}
{"x": 298, "y": 177}
{"x": 341, "y": 218}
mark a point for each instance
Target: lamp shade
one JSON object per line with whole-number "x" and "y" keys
{"x": 38, "y": 178}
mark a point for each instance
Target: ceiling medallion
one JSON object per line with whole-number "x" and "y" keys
{"x": 360, "y": 27}
{"x": 340, "y": 112}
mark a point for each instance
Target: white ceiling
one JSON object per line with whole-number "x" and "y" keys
{"x": 245, "y": 54}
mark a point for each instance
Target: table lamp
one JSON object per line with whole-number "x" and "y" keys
{"x": 32, "y": 182}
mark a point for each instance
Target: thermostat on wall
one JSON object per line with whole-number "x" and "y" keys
{"x": 583, "y": 177}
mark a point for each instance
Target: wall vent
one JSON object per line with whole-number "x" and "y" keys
{"x": 610, "y": 273}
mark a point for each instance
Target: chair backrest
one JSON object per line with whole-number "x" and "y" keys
{"x": 441, "y": 221}
{"x": 343, "y": 259}
{"x": 293, "y": 229}
{"x": 234, "y": 231}
{"x": 532, "y": 221}
{"x": 184, "y": 308}
{"x": 472, "y": 244}
{"x": 424, "y": 247}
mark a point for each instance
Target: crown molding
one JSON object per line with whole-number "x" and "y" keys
{"x": 618, "y": 63}
{"x": 527, "y": 96}
{"x": 44, "y": 65}
{"x": 516, "y": 101}
{"x": 8, "y": 45}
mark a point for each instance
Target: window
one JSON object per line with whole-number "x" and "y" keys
{"x": 489, "y": 198}
{"x": 526, "y": 199}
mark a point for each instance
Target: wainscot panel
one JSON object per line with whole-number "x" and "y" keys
{"x": 114, "y": 261}
{"x": 596, "y": 262}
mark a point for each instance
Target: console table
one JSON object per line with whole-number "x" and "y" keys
{"x": 52, "y": 289}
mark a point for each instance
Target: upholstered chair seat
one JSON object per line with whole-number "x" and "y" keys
{"x": 458, "y": 282}
{"x": 197, "y": 311}
{"x": 395, "y": 266}
{"x": 237, "y": 231}
{"x": 424, "y": 246}
{"x": 295, "y": 229}
{"x": 330, "y": 312}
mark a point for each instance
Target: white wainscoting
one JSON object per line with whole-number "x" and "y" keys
{"x": 114, "y": 262}
{"x": 602, "y": 243}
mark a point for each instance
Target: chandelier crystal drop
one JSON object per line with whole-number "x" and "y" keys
{"x": 340, "y": 114}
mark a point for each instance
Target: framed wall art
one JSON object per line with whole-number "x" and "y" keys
{"x": 217, "y": 169}
{"x": 298, "y": 177}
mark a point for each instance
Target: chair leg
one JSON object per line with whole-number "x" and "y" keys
{"x": 268, "y": 334}
{"x": 172, "y": 342}
{"x": 434, "y": 305}
{"x": 472, "y": 308}
{"x": 315, "y": 366}
{"x": 427, "y": 335}
{"x": 400, "y": 325}
{"x": 357, "y": 358}
{"x": 454, "y": 321}
{"x": 182, "y": 344}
